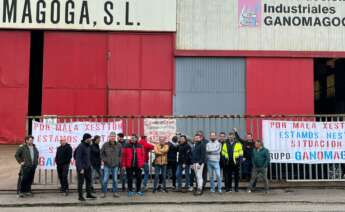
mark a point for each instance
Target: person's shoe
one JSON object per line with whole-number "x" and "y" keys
{"x": 140, "y": 193}
{"x": 104, "y": 195}
{"x": 154, "y": 191}
{"x": 236, "y": 190}
{"x": 116, "y": 195}
{"x": 191, "y": 189}
{"x": 130, "y": 193}
{"x": 66, "y": 194}
{"x": 124, "y": 189}
{"x": 220, "y": 192}
{"x": 29, "y": 194}
{"x": 144, "y": 188}
{"x": 249, "y": 191}
{"x": 159, "y": 187}
{"x": 267, "y": 192}
{"x": 212, "y": 191}
{"x": 90, "y": 196}
{"x": 20, "y": 195}
{"x": 198, "y": 192}
{"x": 165, "y": 190}
{"x": 82, "y": 199}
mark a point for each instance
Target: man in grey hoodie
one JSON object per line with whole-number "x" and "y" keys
{"x": 213, "y": 149}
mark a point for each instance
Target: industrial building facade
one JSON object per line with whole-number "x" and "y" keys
{"x": 222, "y": 58}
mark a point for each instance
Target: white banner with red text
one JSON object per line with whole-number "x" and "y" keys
{"x": 48, "y": 135}
{"x": 304, "y": 142}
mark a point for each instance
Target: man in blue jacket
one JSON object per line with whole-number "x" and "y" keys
{"x": 83, "y": 165}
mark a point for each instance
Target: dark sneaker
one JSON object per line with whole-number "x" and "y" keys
{"x": 90, "y": 196}
{"x": 82, "y": 199}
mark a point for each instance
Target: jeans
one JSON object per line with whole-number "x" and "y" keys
{"x": 256, "y": 174}
{"x": 62, "y": 171}
{"x": 198, "y": 174}
{"x": 96, "y": 174}
{"x": 179, "y": 171}
{"x": 213, "y": 166}
{"x": 160, "y": 170}
{"x": 107, "y": 171}
{"x": 146, "y": 174}
{"x": 86, "y": 176}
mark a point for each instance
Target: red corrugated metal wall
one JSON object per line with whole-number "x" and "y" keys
{"x": 14, "y": 83}
{"x": 108, "y": 73}
{"x": 74, "y": 73}
{"x": 279, "y": 86}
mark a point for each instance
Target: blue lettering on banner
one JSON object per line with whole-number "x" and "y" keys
{"x": 298, "y": 156}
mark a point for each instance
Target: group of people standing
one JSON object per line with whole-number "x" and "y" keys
{"x": 195, "y": 158}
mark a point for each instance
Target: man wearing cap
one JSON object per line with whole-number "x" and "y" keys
{"x": 63, "y": 159}
{"x": 83, "y": 165}
{"x": 111, "y": 156}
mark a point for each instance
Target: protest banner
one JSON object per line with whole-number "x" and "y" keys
{"x": 48, "y": 134}
{"x": 153, "y": 128}
{"x": 305, "y": 142}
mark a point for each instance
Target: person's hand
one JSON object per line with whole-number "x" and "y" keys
{"x": 82, "y": 171}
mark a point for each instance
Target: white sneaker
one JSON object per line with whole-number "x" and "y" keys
{"x": 249, "y": 191}
{"x": 191, "y": 189}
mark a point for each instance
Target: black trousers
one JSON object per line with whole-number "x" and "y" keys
{"x": 86, "y": 176}
{"x": 230, "y": 170}
{"x": 62, "y": 171}
{"x": 172, "y": 165}
{"x": 26, "y": 178}
{"x": 137, "y": 173}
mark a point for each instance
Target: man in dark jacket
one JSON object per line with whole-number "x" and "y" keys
{"x": 27, "y": 157}
{"x": 248, "y": 146}
{"x": 172, "y": 159}
{"x": 111, "y": 156}
{"x": 205, "y": 170}
{"x": 83, "y": 165}
{"x": 133, "y": 160}
{"x": 184, "y": 162}
{"x": 199, "y": 159}
{"x": 96, "y": 162}
{"x": 260, "y": 161}
{"x": 63, "y": 159}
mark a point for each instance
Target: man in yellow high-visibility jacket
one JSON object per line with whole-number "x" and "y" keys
{"x": 232, "y": 155}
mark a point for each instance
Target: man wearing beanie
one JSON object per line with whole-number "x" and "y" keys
{"x": 83, "y": 165}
